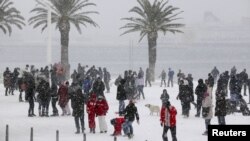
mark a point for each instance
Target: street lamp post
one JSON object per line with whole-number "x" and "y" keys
{"x": 48, "y": 54}
{"x": 49, "y": 58}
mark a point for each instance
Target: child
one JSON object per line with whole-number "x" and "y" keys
{"x": 91, "y": 112}
{"x": 117, "y": 123}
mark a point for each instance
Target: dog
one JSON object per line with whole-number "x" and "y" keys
{"x": 153, "y": 109}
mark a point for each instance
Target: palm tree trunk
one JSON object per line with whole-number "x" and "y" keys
{"x": 152, "y": 38}
{"x": 65, "y": 52}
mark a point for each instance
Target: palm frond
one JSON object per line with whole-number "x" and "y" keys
{"x": 9, "y": 16}
{"x": 153, "y": 18}
{"x": 3, "y": 29}
{"x": 71, "y": 11}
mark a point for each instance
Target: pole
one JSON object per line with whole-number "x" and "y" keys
{"x": 49, "y": 36}
{"x": 57, "y": 135}
{"x": 84, "y": 136}
{"x": 132, "y": 55}
{"x": 31, "y": 134}
{"x": 115, "y": 138}
{"x": 7, "y": 133}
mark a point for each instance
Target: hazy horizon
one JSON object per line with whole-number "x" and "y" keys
{"x": 229, "y": 12}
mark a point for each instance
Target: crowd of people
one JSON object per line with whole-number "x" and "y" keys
{"x": 88, "y": 87}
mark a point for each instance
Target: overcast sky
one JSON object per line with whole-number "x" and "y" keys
{"x": 111, "y": 11}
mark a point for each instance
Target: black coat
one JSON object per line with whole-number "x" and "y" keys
{"x": 77, "y": 100}
{"x": 53, "y": 92}
{"x": 131, "y": 112}
{"x": 121, "y": 92}
{"x": 98, "y": 88}
{"x": 43, "y": 91}
{"x": 200, "y": 90}
{"x": 220, "y": 105}
{"x": 185, "y": 94}
{"x": 210, "y": 81}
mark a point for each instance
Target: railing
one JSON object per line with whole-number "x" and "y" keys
{"x": 32, "y": 135}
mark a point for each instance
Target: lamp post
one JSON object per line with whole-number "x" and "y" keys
{"x": 49, "y": 58}
{"x": 49, "y": 43}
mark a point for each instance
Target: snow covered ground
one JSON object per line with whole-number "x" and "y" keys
{"x": 188, "y": 129}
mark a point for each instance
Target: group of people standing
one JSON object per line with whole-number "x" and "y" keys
{"x": 87, "y": 88}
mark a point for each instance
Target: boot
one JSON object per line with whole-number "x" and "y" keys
{"x": 205, "y": 133}
{"x": 77, "y": 131}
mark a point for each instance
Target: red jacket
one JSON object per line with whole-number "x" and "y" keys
{"x": 168, "y": 117}
{"x": 119, "y": 121}
{"x": 91, "y": 104}
{"x": 101, "y": 107}
{"x": 63, "y": 95}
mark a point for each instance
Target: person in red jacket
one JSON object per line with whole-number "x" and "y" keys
{"x": 168, "y": 121}
{"x": 63, "y": 98}
{"x": 91, "y": 112}
{"x": 101, "y": 110}
{"x": 117, "y": 123}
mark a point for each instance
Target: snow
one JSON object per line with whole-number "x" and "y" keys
{"x": 188, "y": 129}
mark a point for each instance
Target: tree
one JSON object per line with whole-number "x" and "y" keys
{"x": 9, "y": 16}
{"x": 64, "y": 14}
{"x": 153, "y": 18}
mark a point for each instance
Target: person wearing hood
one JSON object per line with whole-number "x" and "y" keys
{"x": 63, "y": 98}
{"x": 101, "y": 109}
{"x": 43, "y": 97}
{"x": 164, "y": 97}
{"x": 91, "y": 112}
{"x": 207, "y": 106}
{"x": 130, "y": 113}
{"x": 77, "y": 104}
{"x": 185, "y": 96}
{"x": 199, "y": 91}
{"x": 121, "y": 95}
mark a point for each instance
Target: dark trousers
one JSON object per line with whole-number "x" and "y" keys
{"x": 147, "y": 81}
{"x": 107, "y": 86}
{"x": 170, "y": 80}
{"x": 79, "y": 119}
{"x": 173, "y": 133}
{"x": 249, "y": 93}
{"x": 20, "y": 96}
{"x": 163, "y": 81}
{"x": 207, "y": 122}
{"x": 199, "y": 104}
{"x": 140, "y": 91}
{"x": 221, "y": 120}
{"x": 31, "y": 106}
{"x": 245, "y": 88}
{"x": 53, "y": 103}
{"x": 186, "y": 108}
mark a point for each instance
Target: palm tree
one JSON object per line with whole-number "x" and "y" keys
{"x": 9, "y": 16}
{"x": 153, "y": 18}
{"x": 64, "y": 14}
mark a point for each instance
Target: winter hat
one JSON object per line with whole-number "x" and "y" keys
{"x": 93, "y": 96}
{"x": 200, "y": 81}
{"x": 123, "y": 81}
{"x": 164, "y": 90}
